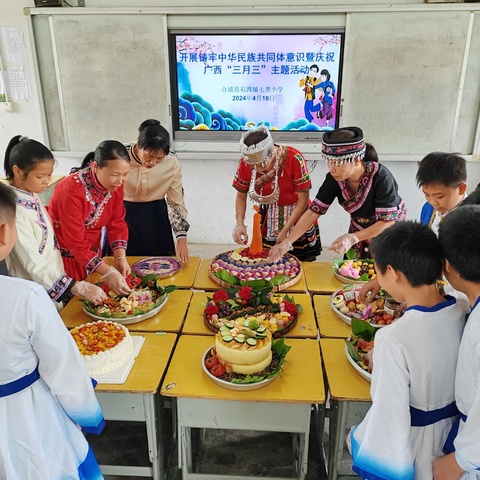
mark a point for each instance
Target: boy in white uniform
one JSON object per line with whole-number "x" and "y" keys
{"x": 459, "y": 234}
{"x": 414, "y": 361}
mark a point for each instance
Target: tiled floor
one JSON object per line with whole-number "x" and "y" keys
{"x": 256, "y": 454}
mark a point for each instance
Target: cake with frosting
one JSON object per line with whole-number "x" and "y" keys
{"x": 244, "y": 348}
{"x": 104, "y": 345}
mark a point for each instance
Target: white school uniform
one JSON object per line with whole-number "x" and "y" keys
{"x": 467, "y": 393}
{"x": 40, "y": 436}
{"x": 414, "y": 363}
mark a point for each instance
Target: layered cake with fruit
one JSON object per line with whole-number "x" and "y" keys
{"x": 275, "y": 312}
{"x": 104, "y": 345}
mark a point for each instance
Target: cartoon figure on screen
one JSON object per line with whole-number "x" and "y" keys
{"x": 309, "y": 84}
{"x": 327, "y": 101}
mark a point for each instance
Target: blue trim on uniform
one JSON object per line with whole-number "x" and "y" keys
{"x": 477, "y": 301}
{"x": 94, "y": 382}
{"x": 449, "y": 447}
{"x": 421, "y": 418}
{"x": 89, "y": 469}
{"x": 95, "y": 430}
{"x": 426, "y": 213}
{"x": 449, "y": 301}
{"x": 19, "y": 384}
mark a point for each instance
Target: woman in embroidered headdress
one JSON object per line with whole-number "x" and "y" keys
{"x": 154, "y": 198}
{"x": 365, "y": 189}
{"x": 82, "y": 204}
{"x": 28, "y": 168}
{"x": 275, "y": 177}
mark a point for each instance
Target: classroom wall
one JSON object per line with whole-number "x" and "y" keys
{"x": 207, "y": 176}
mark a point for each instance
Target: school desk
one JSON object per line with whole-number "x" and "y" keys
{"x": 329, "y": 325}
{"x": 168, "y": 319}
{"x": 204, "y": 282}
{"x": 282, "y": 406}
{"x": 183, "y": 278}
{"x": 138, "y": 400}
{"x": 349, "y": 402}
{"x": 320, "y": 277}
{"x": 305, "y": 327}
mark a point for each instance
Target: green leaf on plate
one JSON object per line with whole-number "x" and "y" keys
{"x": 226, "y": 277}
{"x": 352, "y": 351}
{"x": 364, "y": 277}
{"x": 254, "y": 284}
{"x": 363, "y": 329}
{"x": 351, "y": 254}
{"x": 278, "y": 280}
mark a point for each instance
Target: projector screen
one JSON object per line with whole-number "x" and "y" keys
{"x": 223, "y": 83}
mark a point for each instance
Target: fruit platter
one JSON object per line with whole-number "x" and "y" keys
{"x": 359, "y": 348}
{"x": 242, "y": 267}
{"x": 276, "y": 312}
{"x": 219, "y": 373}
{"x": 353, "y": 270}
{"x": 147, "y": 298}
{"x": 345, "y": 304}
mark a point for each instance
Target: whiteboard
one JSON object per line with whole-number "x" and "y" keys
{"x": 110, "y": 74}
{"x": 402, "y": 74}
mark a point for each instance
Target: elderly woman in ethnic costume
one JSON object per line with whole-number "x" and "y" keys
{"x": 276, "y": 177}
{"x": 364, "y": 188}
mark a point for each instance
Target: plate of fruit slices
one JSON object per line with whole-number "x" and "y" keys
{"x": 345, "y": 304}
{"x": 354, "y": 271}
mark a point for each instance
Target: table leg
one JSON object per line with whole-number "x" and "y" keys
{"x": 154, "y": 438}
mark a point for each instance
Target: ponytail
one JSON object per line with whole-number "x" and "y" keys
{"x": 371, "y": 154}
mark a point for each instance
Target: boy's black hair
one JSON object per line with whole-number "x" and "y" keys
{"x": 8, "y": 204}
{"x": 473, "y": 198}
{"x": 459, "y": 233}
{"x": 314, "y": 66}
{"x": 410, "y": 248}
{"x": 449, "y": 169}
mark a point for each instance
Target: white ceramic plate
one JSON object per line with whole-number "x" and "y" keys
{"x": 342, "y": 316}
{"x": 129, "y": 320}
{"x": 241, "y": 387}
{"x": 357, "y": 367}
{"x": 346, "y": 280}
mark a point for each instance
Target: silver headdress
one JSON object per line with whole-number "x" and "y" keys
{"x": 258, "y": 153}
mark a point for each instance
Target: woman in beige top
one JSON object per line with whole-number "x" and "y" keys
{"x": 154, "y": 199}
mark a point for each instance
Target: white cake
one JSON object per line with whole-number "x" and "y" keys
{"x": 104, "y": 345}
{"x": 236, "y": 353}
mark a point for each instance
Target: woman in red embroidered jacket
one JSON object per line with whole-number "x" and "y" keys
{"x": 85, "y": 202}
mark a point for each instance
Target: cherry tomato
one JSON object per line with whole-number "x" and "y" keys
{"x": 217, "y": 370}
{"x": 210, "y": 362}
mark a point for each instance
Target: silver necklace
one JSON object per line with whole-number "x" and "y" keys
{"x": 274, "y": 196}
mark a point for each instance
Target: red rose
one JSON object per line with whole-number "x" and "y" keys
{"x": 220, "y": 296}
{"x": 245, "y": 293}
{"x": 211, "y": 310}
{"x": 291, "y": 308}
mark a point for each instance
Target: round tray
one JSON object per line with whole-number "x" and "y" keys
{"x": 277, "y": 334}
{"x": 239, "y": 387}
{"x": 129, "y": 320}
{"x": 156, "y": 265}
{"x": 277, "y": 288}
{"x": 358, "y": 368}
{"x": 346, "y": 280}
{"x": 342, "y": 316}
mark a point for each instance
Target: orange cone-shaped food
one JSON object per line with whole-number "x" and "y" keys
{"x": 257, "y": 245}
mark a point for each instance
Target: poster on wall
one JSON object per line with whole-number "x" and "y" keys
{"x": 289, "y": 82}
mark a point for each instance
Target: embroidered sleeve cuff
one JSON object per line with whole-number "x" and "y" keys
{"x": 92, "y": 265}
{"x": 61, "y": 288}
{"x": 118, "y": 244}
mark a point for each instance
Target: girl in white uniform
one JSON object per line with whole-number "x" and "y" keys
{"x": 46, "y": 394}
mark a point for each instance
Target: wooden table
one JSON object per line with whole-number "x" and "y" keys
{"x": 305, "y": 327}
{"x": 282, "y": 406}
{"x": 204, "y": 282}
{"x": 349, "y": 402}
{"x": 320, "y": 277}
{"x": 168, "y": 319}
{"x": 183, "y": 278}
{"x": 138, "y": 400}
{"x": 329, "y": 324}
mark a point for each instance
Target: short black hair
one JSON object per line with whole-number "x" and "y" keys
{"x": 459, "y": 233}
{"x": 472, "y": 198}
{"x": 449, "y": 169}
{"x": 8, "y": 204}
{"x": 152, "y": 136}
{"x": 411, "y": 248}
{"x": 314, "y": 66}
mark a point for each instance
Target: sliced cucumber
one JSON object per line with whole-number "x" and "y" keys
{"x": 246, "y": 322}
{"x": 227, "y": 338}
{"x": 261, "y": 329}
{"x": 223, "y": 328}
{"x": 260, "y": 335}
{"x": 251, "y": 341}
{"x": 229, "y": 325}
{"x": 224, "y": 332}
{"x": 240, "y": 338}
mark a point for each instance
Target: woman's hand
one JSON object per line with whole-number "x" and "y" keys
{"x": 182, "y": 250}
{"x": 447, "y": 468}
{"x": 239, "y": 234}
{"x": 369, "y": 291}
{"x": 279, "y": 250}
{"x": 116, "y": 281}
{"x": 122, "y": 266}
{"x": 344, "y": 243}
{"x": 89, "y": 292}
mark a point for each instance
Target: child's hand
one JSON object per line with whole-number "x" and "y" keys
{"x": 447, "y": 468}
